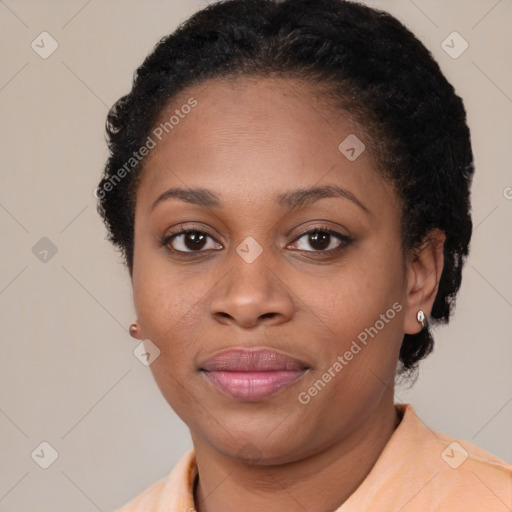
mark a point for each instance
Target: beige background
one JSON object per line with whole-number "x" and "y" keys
{"x": 67, "y": 372}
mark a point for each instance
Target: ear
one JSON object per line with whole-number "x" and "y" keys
{"x": 424, "y": 268}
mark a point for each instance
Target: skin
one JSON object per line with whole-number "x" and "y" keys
{"x": 248, "y": 140}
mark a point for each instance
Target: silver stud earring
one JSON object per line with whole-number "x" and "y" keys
{"x": 422, "y": 319}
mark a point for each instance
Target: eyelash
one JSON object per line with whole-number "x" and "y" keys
{"x": 343, "y": 239}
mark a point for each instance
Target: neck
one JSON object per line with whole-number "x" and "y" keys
{"x": 321, "y": 482}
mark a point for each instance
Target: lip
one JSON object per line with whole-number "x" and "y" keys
{"x": 252, "y": 374}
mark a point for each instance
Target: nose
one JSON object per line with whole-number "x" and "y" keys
{"x": 251, "y": 294}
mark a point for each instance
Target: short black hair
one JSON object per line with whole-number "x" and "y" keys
{"x": 376, "y": 70}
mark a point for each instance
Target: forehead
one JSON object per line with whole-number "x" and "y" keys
{"x": 252, "y": 137}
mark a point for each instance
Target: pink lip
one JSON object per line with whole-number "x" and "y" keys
{"x": 252, "y": 374}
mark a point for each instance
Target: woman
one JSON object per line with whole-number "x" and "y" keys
{"x": 289, "y": 185}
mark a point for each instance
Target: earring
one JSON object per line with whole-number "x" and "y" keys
{"x": 133, "y": 330}
{"x": 422, "y": 319}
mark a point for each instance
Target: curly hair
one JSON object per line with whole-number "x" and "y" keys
{"x": 362, "y": 58}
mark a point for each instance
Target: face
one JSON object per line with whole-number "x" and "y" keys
{"x": 292, "y": 262}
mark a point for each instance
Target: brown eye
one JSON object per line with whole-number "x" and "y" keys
{"x": 191, "y": 241}
{"x": 321, "y": 240}
{"x": 194, "y": 241}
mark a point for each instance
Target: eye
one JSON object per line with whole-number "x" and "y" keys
{"x": 321, "y": 240}
{"x": 190, "y": 240}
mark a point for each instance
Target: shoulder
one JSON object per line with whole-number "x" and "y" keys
{"x": 421, "y": 469}
{"x": 481, "y": 476}
{"x": 171, "y": 493}
{"x": 463, "y": 475}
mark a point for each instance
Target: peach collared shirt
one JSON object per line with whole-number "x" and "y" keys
{"x": 419, "y": 470}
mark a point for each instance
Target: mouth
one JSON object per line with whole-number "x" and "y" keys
{"x": 252, "y": 374}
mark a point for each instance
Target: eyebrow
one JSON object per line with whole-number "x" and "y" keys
{"x": 200, "y": 196}
{"x": 304, "y": 196}
{"x": 291, "y": 200}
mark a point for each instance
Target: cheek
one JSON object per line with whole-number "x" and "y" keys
{"x": 165, "y": 303}
{"x": 358, "y": 363}
{"x": 167, "y": 308}
{"x": 355, "y": 295}
{"x": 361, "y": 308}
